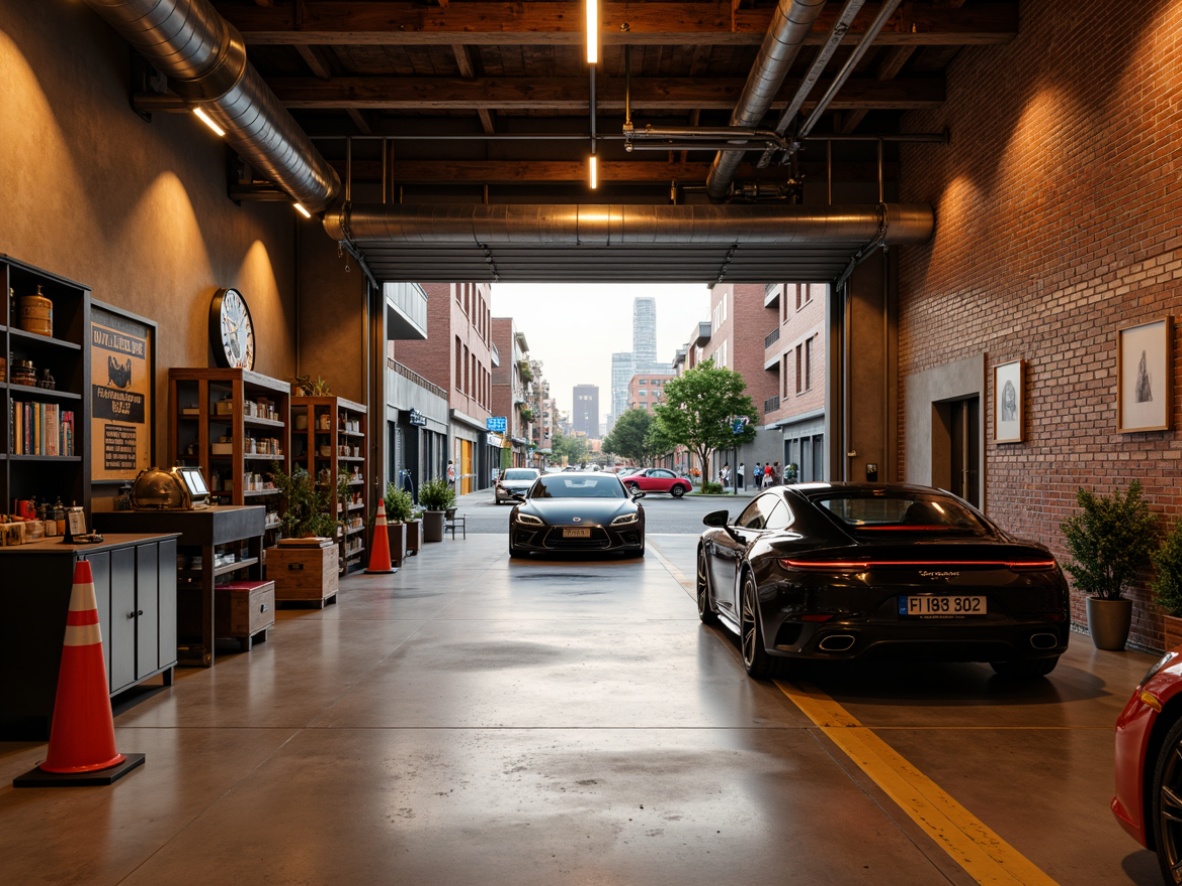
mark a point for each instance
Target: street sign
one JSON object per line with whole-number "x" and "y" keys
{"x": 498, "y": 424}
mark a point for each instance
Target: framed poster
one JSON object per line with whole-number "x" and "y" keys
{"x": 1145, "y": 377}
{"x": 122, "y": 388}
{"x": 1009, "y": 399}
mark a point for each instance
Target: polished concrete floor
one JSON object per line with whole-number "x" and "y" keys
{"x": 475, "y": 720}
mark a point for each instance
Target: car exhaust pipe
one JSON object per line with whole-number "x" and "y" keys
{"x": 1044, "y": 641}
{"x": 837, "y": 643}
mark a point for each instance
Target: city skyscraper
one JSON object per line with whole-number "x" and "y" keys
{"x": 584, "y": 415}
{"x": 644, "y": 334}
{"x": 621, "y": 374}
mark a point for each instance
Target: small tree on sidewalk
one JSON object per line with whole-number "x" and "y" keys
{"x": 702, "y": 410}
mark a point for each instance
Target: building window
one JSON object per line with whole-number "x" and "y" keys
{"x": 458, "y": 381}
{"x": 808, "y": 363}
{"x": 799, "y": 374}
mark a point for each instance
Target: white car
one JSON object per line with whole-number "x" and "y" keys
{"x": 515, "y": 481}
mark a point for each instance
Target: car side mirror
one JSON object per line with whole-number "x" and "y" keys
{"x": 638, "y": 494}
{"x": 716, "y": 518}
{"x": 518, "y": 496}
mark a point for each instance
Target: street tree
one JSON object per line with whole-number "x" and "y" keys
{"x": 705, "y": 410}
{"x": 573, "y": 449}
{"x": 629, "y": 436}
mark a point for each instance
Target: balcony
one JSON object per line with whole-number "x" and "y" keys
{"x": 771, "y": 338}
{"x": 771, "y": 404}
{"x": 406, "y": 311}
{"x": 494, "y": 354}
{"x": 771, "y": 294}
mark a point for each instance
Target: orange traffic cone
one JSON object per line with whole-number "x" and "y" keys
{"x": 82, "y": 737}
{"x": 379, "y": 553}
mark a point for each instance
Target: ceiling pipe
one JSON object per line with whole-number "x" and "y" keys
{"x": 204, "y": 58}
{"x": 591, "y": 225}
{"x": 790, "y": 26}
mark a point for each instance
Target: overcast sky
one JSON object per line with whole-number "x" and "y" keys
{"x": 574, "y": 329}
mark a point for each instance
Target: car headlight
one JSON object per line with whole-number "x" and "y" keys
{"x": 626, "y": 520}
{"x": 529, "y": 520}
{"x": 1162, "y": 662}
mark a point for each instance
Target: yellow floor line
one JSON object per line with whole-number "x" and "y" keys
{"x": 985, "y": 856}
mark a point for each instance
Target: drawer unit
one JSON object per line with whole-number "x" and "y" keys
{"x": 304, "y": 570}
{"x": 244, "y": 610}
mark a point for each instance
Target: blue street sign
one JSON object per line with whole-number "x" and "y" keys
{"x": 498, "y": 424}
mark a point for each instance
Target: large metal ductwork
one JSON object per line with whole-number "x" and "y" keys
{"x": 204, "y": 57}
{"x": 733, "y": 243}
{"x": 790, "y": 26}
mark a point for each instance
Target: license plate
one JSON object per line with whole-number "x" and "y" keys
{"x": 942, "y": 606}
{"x": 576, "y": 533}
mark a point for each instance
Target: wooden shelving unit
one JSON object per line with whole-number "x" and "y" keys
{"x": 329, "y": 440}
{"x": 28, "y": 470}
{"x": 234, "y": 424}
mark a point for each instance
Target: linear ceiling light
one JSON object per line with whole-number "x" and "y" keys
{"x": 300, "y": 209}
{"x": 594, "y": 166}
{"x": 208, "y": 121}
{"x": 592, "y": 32}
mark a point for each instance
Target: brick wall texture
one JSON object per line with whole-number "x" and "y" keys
{"x": 1057, "y": 201}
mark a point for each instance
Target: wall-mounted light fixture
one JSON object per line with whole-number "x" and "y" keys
{"x": 592, "y": 32}
{"x": 208, "y": 121}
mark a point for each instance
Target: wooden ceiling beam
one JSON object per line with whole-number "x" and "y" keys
{"x": 683, "y": 94}
{"x": 889, "y": 67}
{"x": 468, "y": 72}
{"x": 561, "y": 23}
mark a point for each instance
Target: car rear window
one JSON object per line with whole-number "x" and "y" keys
{"x": 884, "y": 513}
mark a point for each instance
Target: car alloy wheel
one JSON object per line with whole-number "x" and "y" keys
{"x": 705, "y": 607}
{"x": 677, "y": 491}
{"x": 755, "y": 657}
{"x": 633, "y": 487}
{"x": 1167, "y": 806}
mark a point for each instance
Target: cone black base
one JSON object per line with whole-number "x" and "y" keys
{"x": 389, "y": 571}
{"x": 36, "y": 778}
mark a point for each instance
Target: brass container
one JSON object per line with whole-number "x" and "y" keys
{"x": 37, "y": 314}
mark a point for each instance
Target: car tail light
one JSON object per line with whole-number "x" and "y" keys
{"x": 861, "y": 565}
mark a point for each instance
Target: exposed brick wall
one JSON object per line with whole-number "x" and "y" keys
{"x": 1057, "y": 208}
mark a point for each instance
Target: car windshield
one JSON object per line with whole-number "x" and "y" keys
{"x": 577, "y": 486}
{"x": 880, "y": 513}
{"x": 520, "y": 474}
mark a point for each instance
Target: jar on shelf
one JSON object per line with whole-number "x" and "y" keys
{"x": 37, "y": 313}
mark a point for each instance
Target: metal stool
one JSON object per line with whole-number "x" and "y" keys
{"x": 451, "y": 522}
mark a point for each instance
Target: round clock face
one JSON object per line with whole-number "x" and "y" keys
{"x": 231, "y": 331}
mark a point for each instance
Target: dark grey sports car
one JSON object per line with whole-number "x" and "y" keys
{"x": 577, "y": 512}
{"x": 834, "y": 571}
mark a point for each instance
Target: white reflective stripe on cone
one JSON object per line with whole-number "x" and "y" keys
{"x": 83, "y": 635}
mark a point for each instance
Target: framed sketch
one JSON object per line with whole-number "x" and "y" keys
{"x": 122, "y": 394}
{"x": 1008, "y": 401}
{"x": 1145, "y": 377}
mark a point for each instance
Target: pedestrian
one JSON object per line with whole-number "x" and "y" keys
{"x": 742, "y": 475}
{"x": 451, "y": 472}
{"x": 776, "y": 474}
{"x": 725, "y": 474}
{"x": 756, "y": 476}
{"x": 767, "y": 475}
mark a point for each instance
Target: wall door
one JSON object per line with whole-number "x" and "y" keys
{"x": 956, "y": 450}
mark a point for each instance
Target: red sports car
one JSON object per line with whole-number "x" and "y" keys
{"x": 657, "y": 480}
{"x": 1148, "y": 800}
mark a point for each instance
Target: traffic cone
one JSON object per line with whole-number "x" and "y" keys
{"x": 82, "y": 737}
{"x": 379, "y": 549}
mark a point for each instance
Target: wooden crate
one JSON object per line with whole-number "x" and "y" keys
{"x": 244, "y": 610}
{"x": 304, "y": 571}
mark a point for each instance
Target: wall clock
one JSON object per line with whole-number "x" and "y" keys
{"x": 231, "y": 331}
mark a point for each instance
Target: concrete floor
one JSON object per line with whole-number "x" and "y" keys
{"x": 471, "y": 720}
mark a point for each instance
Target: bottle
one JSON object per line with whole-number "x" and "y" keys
{"x": 37, "y": 313}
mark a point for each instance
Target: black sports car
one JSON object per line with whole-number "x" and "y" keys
{"x": 834, "y": 571}
{"x": 577, "y": 512}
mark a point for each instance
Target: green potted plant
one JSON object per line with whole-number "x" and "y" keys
{"x": 399, "y": 510}
{"x": 1110, "y": 540}
{"x": 307, "y": 509}
{"x": 1167, "y": 584}
{"x": 436, "y": 496}
{"x": 304, "y": 565}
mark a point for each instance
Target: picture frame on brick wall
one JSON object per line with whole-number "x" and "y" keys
{"x": 1009, "y": 402}
{"x": 1145, "y": 376}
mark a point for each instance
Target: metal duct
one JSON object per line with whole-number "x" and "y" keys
{"x": 204, "y": 57}
{"x": 791, "y": 24}
{"x": 598, "y": 225}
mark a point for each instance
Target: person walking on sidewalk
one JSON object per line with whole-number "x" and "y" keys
{"x": 741, "y": 476}
{"x": 768, "y": 476}
{"x": 757, "y": 476}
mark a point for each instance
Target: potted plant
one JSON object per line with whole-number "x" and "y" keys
{"x": 414, "y": 532}
{"x": 436, "y": 496}
{"x": 399, "y": 510}
{"x": 1167, "y": 584}
{"x": 307, "y": 507}
{"x": 304, "y": 565}
{"x": 1110, "y": 541}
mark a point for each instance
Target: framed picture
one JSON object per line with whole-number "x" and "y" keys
{"x": 122, "y": 394}
{"x": 1008, "y": 400}
{"x": 1145, "y": 377}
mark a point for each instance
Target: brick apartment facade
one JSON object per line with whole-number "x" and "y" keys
{"x": 458, "y": 313}
{"x": 1057, "y": 202}
{"x": 509, "y": 389}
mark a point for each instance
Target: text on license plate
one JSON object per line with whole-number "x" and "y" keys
{"x": 942, "y": 605}
{"x": 577, "y": 533}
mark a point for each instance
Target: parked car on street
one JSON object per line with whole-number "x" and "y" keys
{"x": 1148, "y": 798}
{"x": 658, "y": 480}
{"x": 585, "y": 512}
{"x": 513, "y": 482}
{"x": 834, "y": 571}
